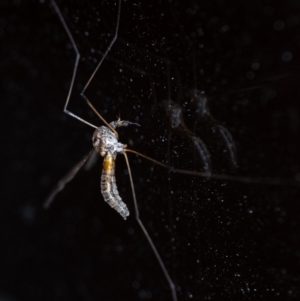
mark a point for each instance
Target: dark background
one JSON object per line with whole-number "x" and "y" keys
{"x": 220, "y": 240}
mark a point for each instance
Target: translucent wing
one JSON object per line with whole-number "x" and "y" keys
{"x": 66, "y": 179}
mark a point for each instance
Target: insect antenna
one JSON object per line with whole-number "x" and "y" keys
{"x": 137, "y": 216}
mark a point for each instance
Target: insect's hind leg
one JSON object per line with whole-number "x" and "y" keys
{"x": 150, "y": 241}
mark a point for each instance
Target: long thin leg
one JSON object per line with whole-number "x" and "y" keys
{"x": 98, "y": 66}
{"x": 62, "y": 20}
{"x": 66, "y": 179}
{"x": 137, "y": 216}
{"x": 258, "y": 180}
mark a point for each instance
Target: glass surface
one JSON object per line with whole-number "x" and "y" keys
{"x": 215, "y": 87}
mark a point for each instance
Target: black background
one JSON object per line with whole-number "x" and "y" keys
{"x": 220, "y": 240}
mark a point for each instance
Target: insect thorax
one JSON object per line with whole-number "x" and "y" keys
{"x": 105, "y": 142}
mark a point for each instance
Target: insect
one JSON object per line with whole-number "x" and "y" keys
{"x": 105, "y": 142}
{"x": 110, "y": 149}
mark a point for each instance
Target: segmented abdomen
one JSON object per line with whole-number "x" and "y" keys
{"x": 109, "y": 188}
